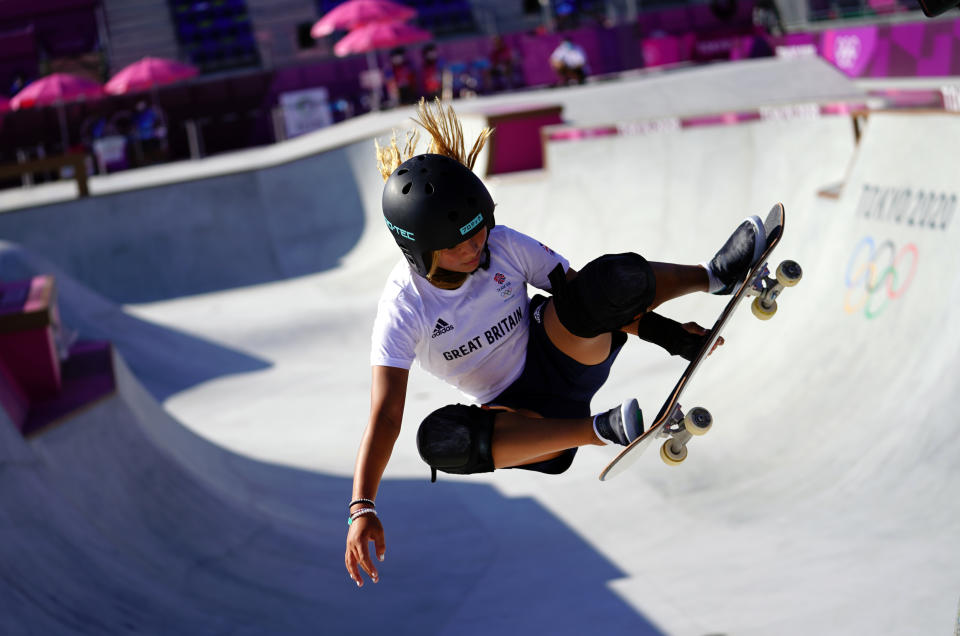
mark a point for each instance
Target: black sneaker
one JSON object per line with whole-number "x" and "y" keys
{"x": 741, "y": 252}
{"x": 621, "y": 424}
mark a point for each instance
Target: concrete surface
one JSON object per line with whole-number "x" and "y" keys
{"x": 824, "y": 500}
{"x": 249, "y": 217}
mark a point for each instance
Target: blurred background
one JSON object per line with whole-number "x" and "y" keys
{"x": 212, "y": 76}
{"x": 184, "y": 335}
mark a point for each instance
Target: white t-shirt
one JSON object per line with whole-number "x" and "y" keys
{"x": 568, "y": 54}
{"x": 473, "y": 337}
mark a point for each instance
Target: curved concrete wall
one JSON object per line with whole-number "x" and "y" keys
{"x": 202, "y": 235}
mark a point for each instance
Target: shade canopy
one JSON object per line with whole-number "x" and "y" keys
{"x": 383, "y": 35}
{"x": 357, "y": 13}
{"x": 57, "y": 87}
{"x": 149, "y": 73}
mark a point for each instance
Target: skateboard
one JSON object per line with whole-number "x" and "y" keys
{"x": 672, "y": 424}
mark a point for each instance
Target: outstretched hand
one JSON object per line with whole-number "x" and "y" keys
{"x": 362, "y": 531}
{"x": 697, "y": 330}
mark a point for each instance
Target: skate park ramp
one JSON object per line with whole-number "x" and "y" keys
{"x": 252, "y": 217}
{"x": 823, "y": 501}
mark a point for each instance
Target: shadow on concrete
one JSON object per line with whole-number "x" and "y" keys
{"x": 120, "y": 520}
{"x": 101, "y": 541}
{"x": 168, "y": 361}
{"x": 165, "y": 360}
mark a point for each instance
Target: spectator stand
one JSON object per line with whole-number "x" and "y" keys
{"x": 216, "y": 35}
{"x": 697, "y": 32}
{"x": 445, "y": 18}
{"x": 45, "y": 32}
{"x": 19, "y": 58}
{"x": 210, "y": 116}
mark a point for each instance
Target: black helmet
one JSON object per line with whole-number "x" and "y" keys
{"x": 433, "y": 202}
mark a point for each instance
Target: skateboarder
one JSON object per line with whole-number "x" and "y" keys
{"x": 458, "y": 304}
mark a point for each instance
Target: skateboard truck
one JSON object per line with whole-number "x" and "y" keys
{"x": 678, "y": 430}
{"x": 767, "y": 289}
{"x": 671, "y": 422}
{"x": 680, "y": 427}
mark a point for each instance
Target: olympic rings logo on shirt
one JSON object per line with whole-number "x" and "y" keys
{"x": 877, "y": 275}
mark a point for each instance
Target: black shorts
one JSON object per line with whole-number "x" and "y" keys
{"x": 553, "y": 384}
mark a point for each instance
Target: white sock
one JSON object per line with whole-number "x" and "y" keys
{"x": 715, "y": 284}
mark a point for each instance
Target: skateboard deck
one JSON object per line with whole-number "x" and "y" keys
{"x": 671, "y": 423}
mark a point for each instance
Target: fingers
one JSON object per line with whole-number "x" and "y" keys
{"x": 358, "y": 555}
{"x": 380, "y": 546}
{"x": 718, "y": 343}
{"x": 367, "y": 564}
{"x": 352, "y": 569}
{"x": 696, "y": 329}
{"x": 357, "y": 559}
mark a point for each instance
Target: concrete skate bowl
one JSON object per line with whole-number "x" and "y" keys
{"x": 121, "y": 521}
{"x": 822, "y": 502}
{"x": 165, "y": 359}
{"x": 828, "y": 482}
{"x": 255, "y": 224}
{"x": 300, "y": 207}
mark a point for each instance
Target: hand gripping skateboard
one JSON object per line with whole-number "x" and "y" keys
{"x": 672, "y": 424}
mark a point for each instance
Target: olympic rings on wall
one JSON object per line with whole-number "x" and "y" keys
{"x": 877, "y": 275}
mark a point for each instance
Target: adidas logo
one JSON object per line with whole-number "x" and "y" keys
{"x": 442, "y": 327}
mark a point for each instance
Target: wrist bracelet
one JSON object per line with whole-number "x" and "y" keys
{"x": 370, "y": 502}
{"x": 359, "y": 513}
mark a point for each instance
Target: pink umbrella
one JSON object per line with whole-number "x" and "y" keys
{"x": 355, "y": 13}
{"x": 55, "y": 88}
{"x": 149, "y": 73}
{"x": 380, "y": 35}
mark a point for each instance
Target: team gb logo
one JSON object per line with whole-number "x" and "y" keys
{"x": 503, "y": 285}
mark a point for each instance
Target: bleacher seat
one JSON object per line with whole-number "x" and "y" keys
{"x": 215, "y": 34}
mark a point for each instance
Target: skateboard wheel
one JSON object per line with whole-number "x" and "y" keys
{"x": 789, "y": 273}
{"x": 669, "y": 457}
{"x": 762, "y": 312}
{"x": 698, "y": 421}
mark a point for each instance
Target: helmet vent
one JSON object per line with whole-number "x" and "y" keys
{"x": 428, "y": 189}
{"x": 406, "y": 188}
{"x": 401, "y": 171}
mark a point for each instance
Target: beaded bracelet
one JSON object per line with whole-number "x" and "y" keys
{"x": 359, "y": 513}
{"x": 371, "y": 503}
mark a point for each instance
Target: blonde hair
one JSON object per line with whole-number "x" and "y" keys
{"x": 446, "y": 138}
{"x": 443, "y": 278}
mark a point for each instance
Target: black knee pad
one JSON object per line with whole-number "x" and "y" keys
{"x": 457, "y": 439}
{"x": 606, "y": 294}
